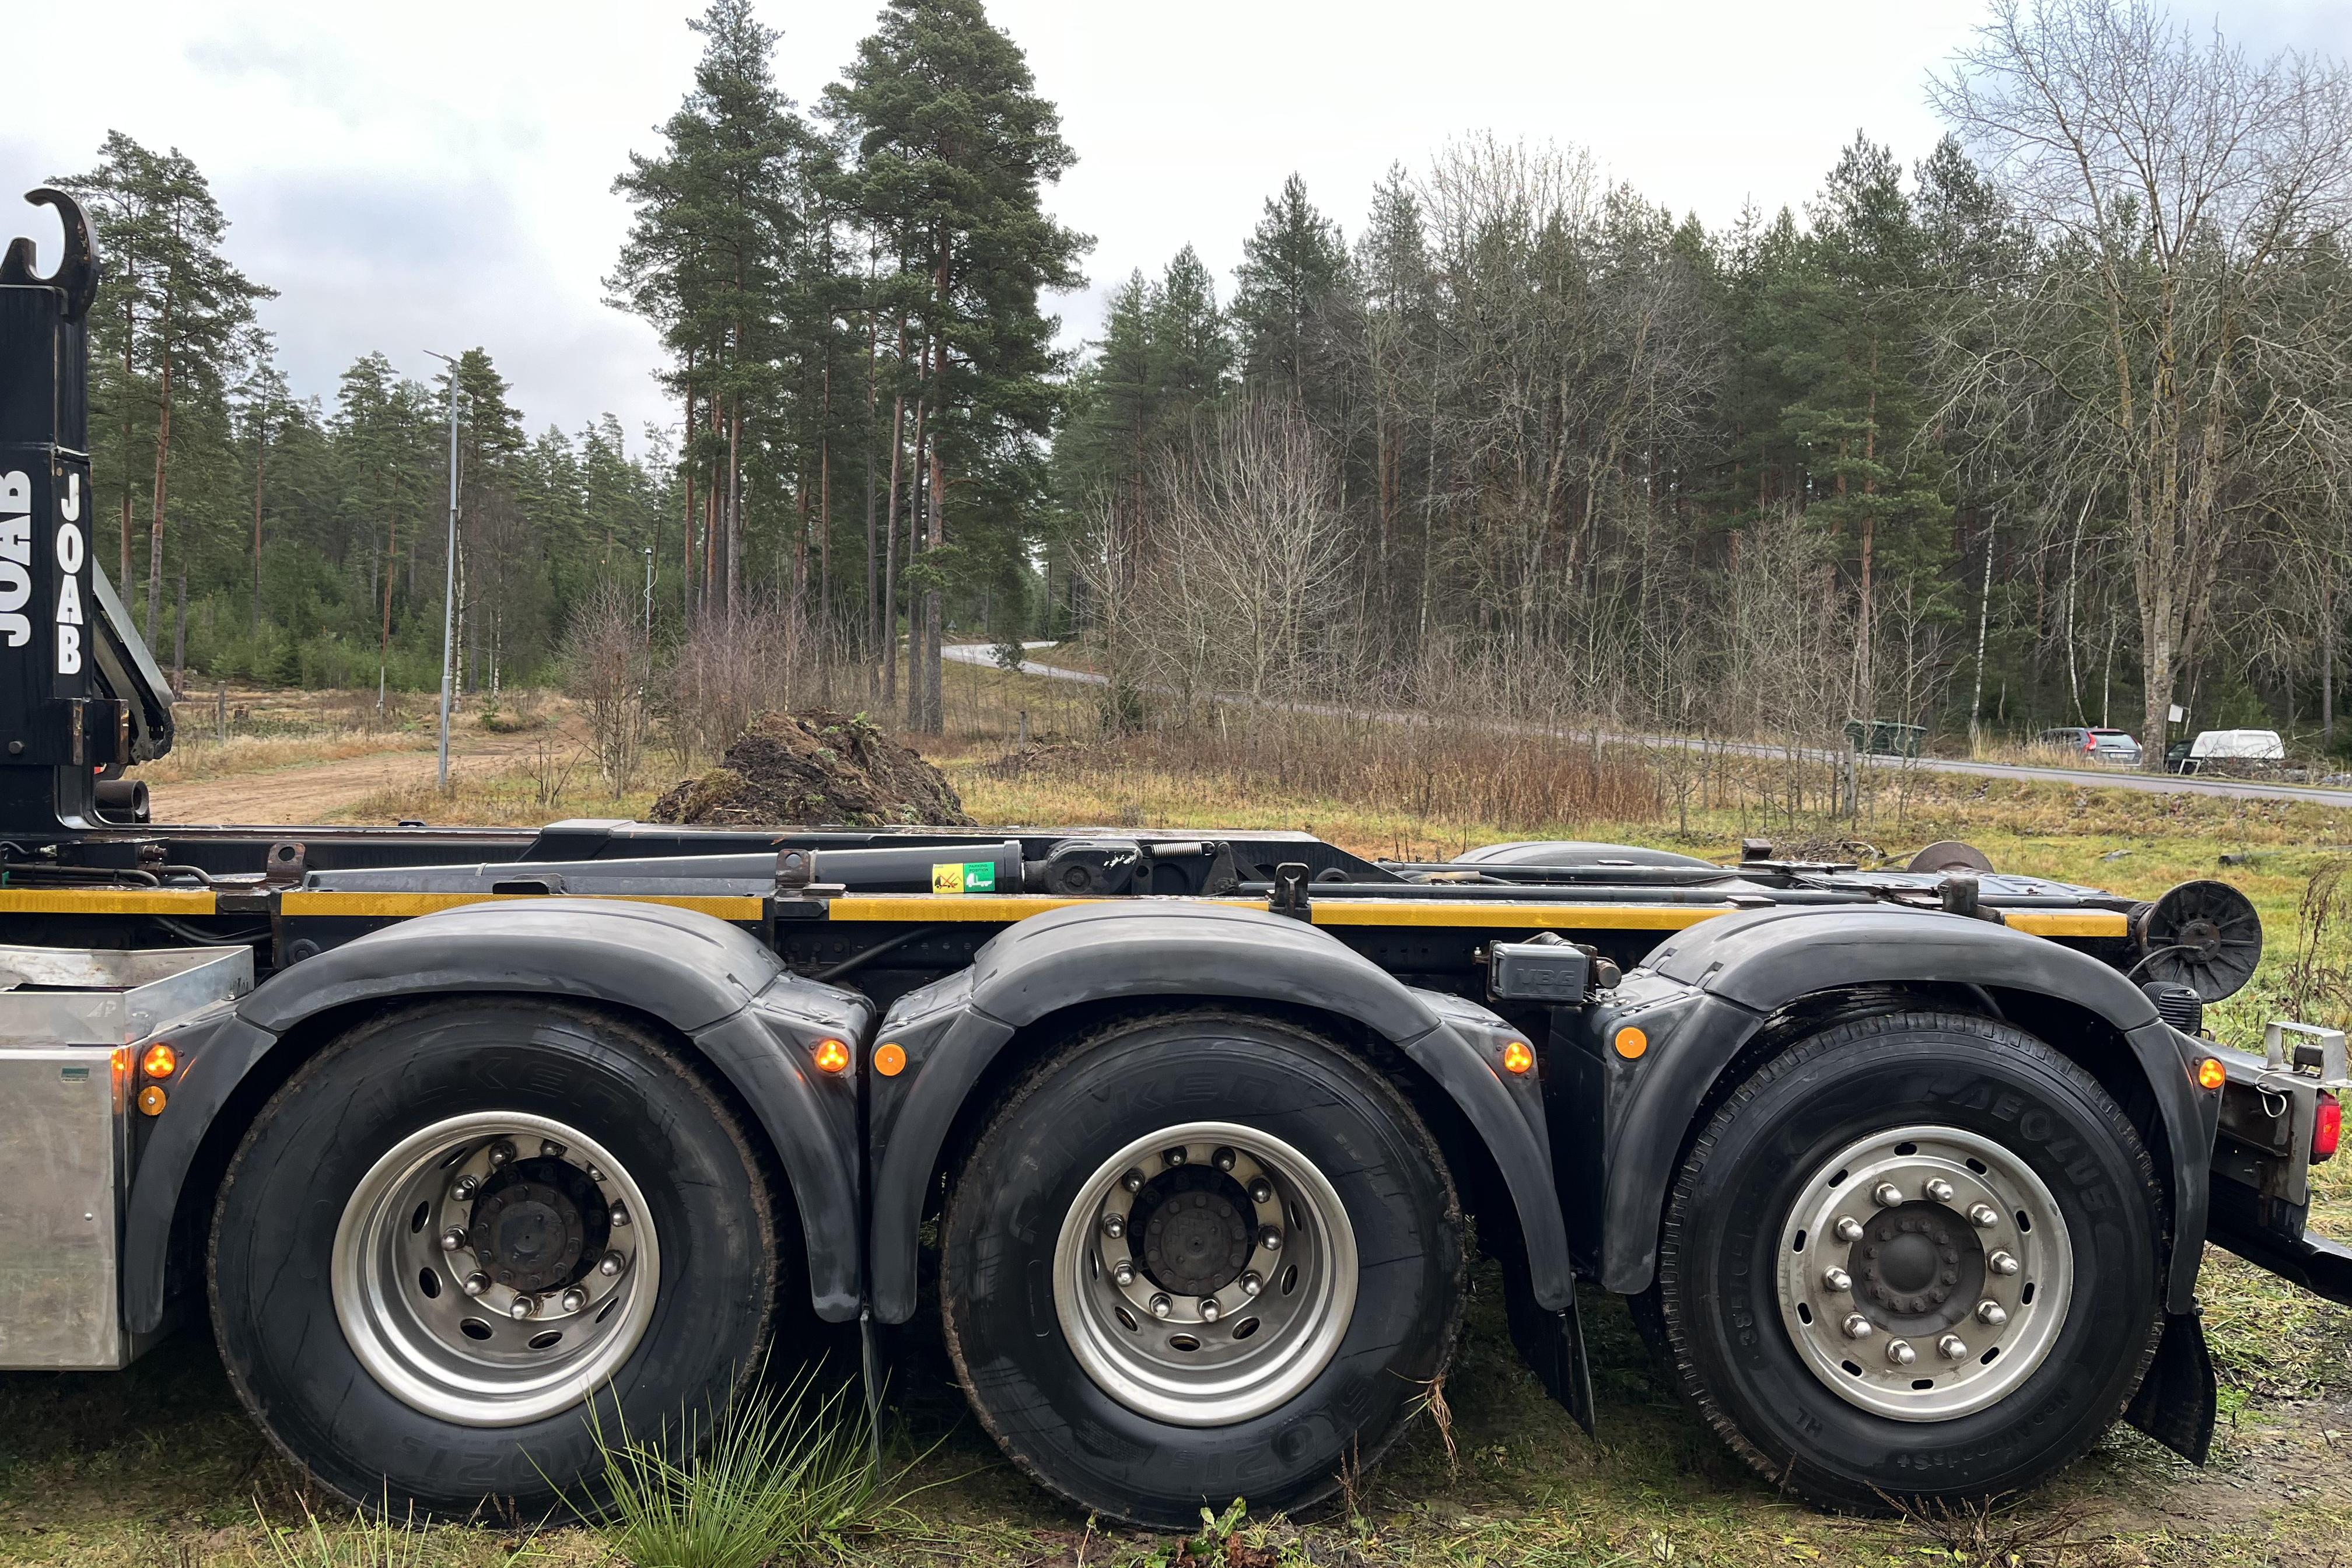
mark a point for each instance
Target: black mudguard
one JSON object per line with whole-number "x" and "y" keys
{"x": 1705, "y": 993}
{"x": 716, "y": 984}
{"x": 952, "y": 1030}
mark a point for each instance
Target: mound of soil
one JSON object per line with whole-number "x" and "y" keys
{"x": 806, "y": 769}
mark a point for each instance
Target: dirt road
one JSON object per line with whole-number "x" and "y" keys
{"x": 308, "y": 792}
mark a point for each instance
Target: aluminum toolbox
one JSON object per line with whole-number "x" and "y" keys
{"x": 73, "y": 1025}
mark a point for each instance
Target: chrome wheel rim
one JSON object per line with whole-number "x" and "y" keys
{"x": 1924, "y": 1272}
{"x": 1205, "y": 1274}
{"x": 494, "y": 1268}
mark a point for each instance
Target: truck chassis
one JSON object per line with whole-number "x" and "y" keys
{"x": 463, "y": 1140}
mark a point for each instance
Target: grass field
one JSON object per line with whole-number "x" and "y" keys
{"x": 158, "y": 1465}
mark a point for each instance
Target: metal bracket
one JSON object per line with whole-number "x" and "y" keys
{"x": 2324, "y": 1052}
{"x": 77, "y": 273}
{"x": 288, "y": 860}
{"x": 1289, "y": 895}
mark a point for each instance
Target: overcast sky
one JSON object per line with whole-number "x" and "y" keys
{"x": 439, "y": 175}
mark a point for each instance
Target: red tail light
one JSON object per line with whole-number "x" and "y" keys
{"x": 2090, "y": 743}
{"x": 2326, "y": 1127}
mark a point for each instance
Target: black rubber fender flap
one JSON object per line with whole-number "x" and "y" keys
{"x": 2177, "y": 1399}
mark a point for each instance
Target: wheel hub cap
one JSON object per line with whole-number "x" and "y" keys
{"x": 1917, "y": 1267}
{"x": 1195, "y": 1240}
{"x": 534, "y": 1227}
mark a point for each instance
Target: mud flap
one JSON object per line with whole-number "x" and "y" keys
{"x": 1553, "y": 1345}
{"x": 2176, "y": 1399}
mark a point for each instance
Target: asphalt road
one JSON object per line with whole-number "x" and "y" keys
{"x": 2101, "y": 778}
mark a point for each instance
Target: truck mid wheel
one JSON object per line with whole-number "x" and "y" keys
{"x": 1916, "y": 1256}
{"x": 1196, "y": 1257}
{"x": 465, "y": 1220}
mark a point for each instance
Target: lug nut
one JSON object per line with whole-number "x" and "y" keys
{"x": 611, "y": 1263}
{"x": 596, "y": 1175}
{"x": 1951, "y": 1347}
{"x": 1991, "y": 1313}
{"x": 1252, "y": 1284}
{"x": 1162, "y": 1306}
{"x": 1225, "y": 1158}
{"x": 474, "y": 1284}
{"x": 1114, "y": 1226}
{"x": 1837, "y": 1279}
{"x": 1132, "y": 1181}
{"x": 1984, "y": 1216}
{"x": 502, "y": 1155}
{"x": 574, "y": 1299}
{"x": 2001, "y": 1263}
{"x": 620, "y": 1215}
{"x": 1208, "y": 1309}
{"x": 1174, "y": 1157}
{"x": 548, "y": 1149}
{"x": 1886, "y": 1194}
{"x": 1856, "y": 1326}
{"x": 1900, "y": 1353}
{"x": 1848, "y": 1228}
{"x": 452, "y": 1239}
{"x": 1940, "y": 1190}
{"x": 1270, "y": 1238}
{"x": 1261, "y": 1191}
{"x": 468, "y": 1185}
{"x": 1123, "y": 1272}
{"x": 524, "y": 1306}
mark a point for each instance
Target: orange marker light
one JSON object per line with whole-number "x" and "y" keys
{"x": 1630, "y": 1042}
{"x": 890, "y": 1059}
{"x": 160, "y": 1061}
{"x": 831, "y": 1055}
{"x": 2211, "y": 1074}
{"x": 1517, "y": 1057}
{"x": 151, "y": 1100}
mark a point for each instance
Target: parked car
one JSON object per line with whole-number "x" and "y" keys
{"x": 1885, "y": 737}
{"x": 2227, "y": 751}
{"x": 2107, "y": 748}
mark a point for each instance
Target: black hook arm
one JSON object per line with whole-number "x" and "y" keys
{"x": 77, "y": 273}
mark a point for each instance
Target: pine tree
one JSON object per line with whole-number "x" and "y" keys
{"x": 1291, "y": 272}
{"x": 953, "y": 147}
{"x": 176, "y": 323}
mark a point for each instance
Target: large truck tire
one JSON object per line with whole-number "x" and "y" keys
{"x": 1917, "y": 1256}
{"x": 1195, "y": 1256}
{"x": 465, "y": 1220}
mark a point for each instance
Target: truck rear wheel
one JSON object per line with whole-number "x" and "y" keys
{"x": 1198, "y": 1256}
{"x": 1916, "y": 1256}
{"x": 462, "y": 1222}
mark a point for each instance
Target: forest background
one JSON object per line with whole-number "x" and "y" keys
{"x": 2046, "y": 425}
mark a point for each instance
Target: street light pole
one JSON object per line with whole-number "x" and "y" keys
{"x": 649, "y": 597}
{"x": 449, "y": 585}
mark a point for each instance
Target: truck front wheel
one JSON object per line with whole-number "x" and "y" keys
{"x": 1198, "y": 1256}
{"x": 1916, "y": 1256}
{"x": 461, "y": 1224}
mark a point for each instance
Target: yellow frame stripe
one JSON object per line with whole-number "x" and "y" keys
{"x": 1560, "y": 917}
{"x": 988, "y": 908}
{"x": 2068, "y": 923}
{"x": 298, "y": 901}
{"x": 997, "y": 907}
{"x": 105, "y": 901}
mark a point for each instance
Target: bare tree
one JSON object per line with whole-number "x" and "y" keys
{"x": 604, "y": 669}
{"x": 735, "y": 663}
{"x": 2187, "y": 202}
{"x": 1256, "y": 548}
